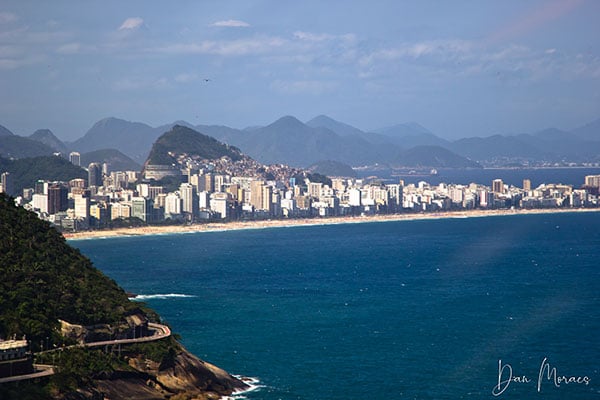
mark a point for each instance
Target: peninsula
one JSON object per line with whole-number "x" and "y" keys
{"x": 79, "y": 336}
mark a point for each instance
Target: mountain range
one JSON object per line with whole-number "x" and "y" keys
{"x": 291, "y": 141}
{"x": 43, "y": 142}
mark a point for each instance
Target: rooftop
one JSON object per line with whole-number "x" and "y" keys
{"x": 12, "y": 344}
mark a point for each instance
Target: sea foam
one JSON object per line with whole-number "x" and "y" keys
{"x": 142, "y": 297}
{"x": 253, "y": 385}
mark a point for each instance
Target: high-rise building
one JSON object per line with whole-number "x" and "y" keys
{"x": 209, "y": 183}
{"x": 141, "y": 208}
{"x": 219, "y": 181}
{"x": 256, "y": 194}
{"x": 497, "y": 186}
{"x": 94, "y": 175}
{"x": 82, "y": 205}
{"x": 219, "y": 203}
{"x": 28, "y": 194}
{"x": 6, "y": 184}
{"x": 592, "y": 181}
{"x": 77, "y": 183}
{"x": 354, "y": 197}
{"x": 189, "y": 198}
{"x": 40, "y": 202}
{"x": 100, "y": 214}
{"x": 267, "y": 201}
{"x": 314, "y": 189}
{"x": 526, "y": 185}
{"x": 119, "y": 210}
{"x": 172, "y": 205}
{"x": 75, "y": 158}
{"x": 41, "y": 187}
{"x": 57, "y": 199}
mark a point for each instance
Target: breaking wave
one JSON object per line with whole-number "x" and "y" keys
{"x": 142, "y": 297}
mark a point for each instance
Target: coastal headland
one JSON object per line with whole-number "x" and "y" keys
{"x": 287, "y": 223}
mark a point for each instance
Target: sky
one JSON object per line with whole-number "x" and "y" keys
{"x": 460, "y": 68}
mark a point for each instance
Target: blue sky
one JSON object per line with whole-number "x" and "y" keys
{"x": 460, "y": 68}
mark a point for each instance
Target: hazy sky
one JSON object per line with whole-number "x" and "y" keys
{"x": 460, "y": 68}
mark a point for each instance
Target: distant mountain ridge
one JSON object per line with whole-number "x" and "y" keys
{"x": 290, "y": 141}
{"x": 5, "y": 132}
{"x": 131, "y": 138}
{"x": 48, "y": 138}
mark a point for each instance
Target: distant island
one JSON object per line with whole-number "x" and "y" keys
{"x": 67, "y": 331}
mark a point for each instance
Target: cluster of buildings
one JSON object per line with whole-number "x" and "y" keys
{"x": 215, "y": 192}
{"x": 15, "y": 357}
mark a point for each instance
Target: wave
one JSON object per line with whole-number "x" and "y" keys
{"x": 142, "y": 297}
{"x": 253, "y": 385}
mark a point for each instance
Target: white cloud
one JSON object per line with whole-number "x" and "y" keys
{"x": 231, "y": 23}
{"x": 312, "y": 37}
{"x": 550, "y": 51}
{"x": 6, "y": 17}
{"x": 131, "y": 24}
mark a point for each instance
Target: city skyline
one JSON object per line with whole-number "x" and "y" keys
{"x": 460, "y": 69}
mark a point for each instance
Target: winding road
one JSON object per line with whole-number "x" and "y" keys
{"x": 160, "y": 332}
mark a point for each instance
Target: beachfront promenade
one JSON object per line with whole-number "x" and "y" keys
{"x": 42, "y": 370}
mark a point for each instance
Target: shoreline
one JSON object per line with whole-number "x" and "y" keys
{"x": 289, "y": 223}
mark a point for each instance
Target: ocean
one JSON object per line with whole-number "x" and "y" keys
{"x": 485, "y": 176}
{"x": 472, "y": 308}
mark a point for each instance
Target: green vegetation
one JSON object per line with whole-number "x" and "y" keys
{"x": 169, "y": 183}
{"x": 318, "y": 178}
{"x": 78, "y": 366}
{"x": 44, "y": 279}
{"x": 332, "y": 168}
{"x": 160, "y": 351}
{"x": 180, "y": 140}
{"x": 116, "y": 160}
{"x": 26, "y": 171}
{"x": 14, "y": 146}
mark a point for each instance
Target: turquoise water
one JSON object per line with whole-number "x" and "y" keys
{"x": 412, "y": 309}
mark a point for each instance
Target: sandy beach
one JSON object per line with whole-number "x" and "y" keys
{"x": 280, "y": 223}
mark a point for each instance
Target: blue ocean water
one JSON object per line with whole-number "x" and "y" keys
{"x": 414, "y": 309}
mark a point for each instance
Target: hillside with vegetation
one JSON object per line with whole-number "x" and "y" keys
{"x": 44, "y": 280}
{"x": 116, "y": 160}
{"x": 26, "y": 171}
{"x": 13, "y": 146}
{"x": 332, "y": 168}
{"x": 181, "y": 140}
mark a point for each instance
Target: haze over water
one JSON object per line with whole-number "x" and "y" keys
{"x": 413, "y": 309}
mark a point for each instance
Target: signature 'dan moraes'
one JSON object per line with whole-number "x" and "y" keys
{"x": 547, "y": 375}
